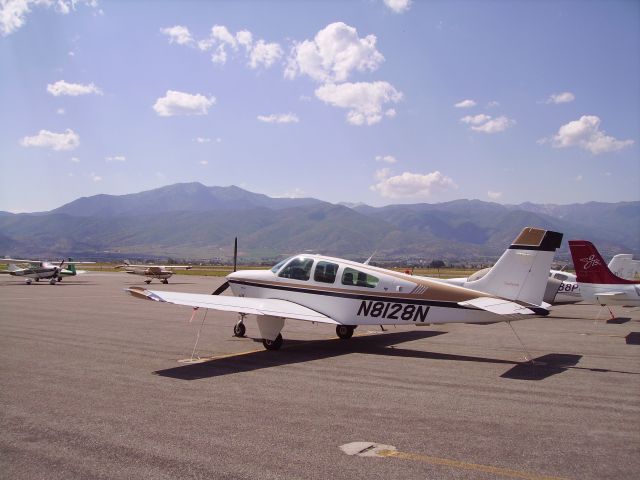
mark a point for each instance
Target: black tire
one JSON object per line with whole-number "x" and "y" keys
{"x": 239, "y": 330}
{"x": 272, "y": 344}
{"x": 345, "y": 332}
{"x": 165, "y": 281}
{"x": 37, "y": 279}
{"x": 59, "y": 279}
{"x": 147, "y": 282}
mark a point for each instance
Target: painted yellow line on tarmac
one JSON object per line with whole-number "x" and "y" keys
{"x": 503, "y": 472}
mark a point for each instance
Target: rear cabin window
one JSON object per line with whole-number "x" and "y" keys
{"x": 297, "y": 269}
{"x": 325, "y": 272}
{"x": 355, "y": 278}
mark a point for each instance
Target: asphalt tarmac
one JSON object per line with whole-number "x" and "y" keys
{"x": 92, "y": 385}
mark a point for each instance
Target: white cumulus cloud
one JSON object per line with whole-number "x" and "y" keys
{"x": 334, "y": 53}
{"x": 178, "y": 34}
{"x": 116, "y": 158}
{"x": 61, "y": 87}
{"x": 564, "y": 97}
{"x": 202, "y": 140}
{"x": 181, "y": 103}
{"x": 204, "y": 162}
{"x": 398, "y": 6}
{"x": 475, "y": 119}
{"x": 264, "y": 54}
{"x": 487, "y": 124}
{"x": 13, "y": 13}
{"x": 585, "y": 133}
{"x": 55, "y": 141}
{"x": 494, "y": 195}
{"x": 224, "y": 43}
{"x": 410, "y": 184}
{"x": 386, "y": 158}
{"x": 365, "y": 101}
{"x": 466, "y": 104}
{"x": 279, "y": 118}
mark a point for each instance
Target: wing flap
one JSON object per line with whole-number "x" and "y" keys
{"x": 252, "y": 306}
{"x": 500, "y": 306}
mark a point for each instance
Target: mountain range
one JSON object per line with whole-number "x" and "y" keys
{"x": 193, "y": 221}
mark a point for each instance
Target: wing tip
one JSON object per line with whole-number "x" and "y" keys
{"x": 143, "y": 293}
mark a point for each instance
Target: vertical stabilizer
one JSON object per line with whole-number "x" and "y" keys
{"x": 589, "y": 265}
{"x": 624, "y": 266}
{"x": 522, "y": 271}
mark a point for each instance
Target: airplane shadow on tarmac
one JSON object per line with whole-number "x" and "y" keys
{"x": 296, "y": 351}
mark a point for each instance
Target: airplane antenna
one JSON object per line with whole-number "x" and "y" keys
{"x": 369, "y": 259}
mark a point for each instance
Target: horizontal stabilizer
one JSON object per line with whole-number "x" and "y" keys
{"x": 252, "y": 306}
{"x": 503, "y": 307}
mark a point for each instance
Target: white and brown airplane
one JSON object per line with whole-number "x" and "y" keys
{"x": 161, "y": 272}
{"x": 346, "y": 294}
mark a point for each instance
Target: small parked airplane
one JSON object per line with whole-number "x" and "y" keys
{"x": 624, "y": 266}
{"x": 161, "y": 272}
{"x": 562, "y": 286}
{"x": 346, "y": 294}
{"x": 597, "y": 283}
{"x": 38, "y": 270}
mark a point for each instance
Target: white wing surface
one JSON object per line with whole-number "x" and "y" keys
{"x": 255, "y": 306}
{"x": 498, "y": 306}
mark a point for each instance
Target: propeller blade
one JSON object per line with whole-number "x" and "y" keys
{"x": 221, "y": 288}
{"x": 235, "y": 254}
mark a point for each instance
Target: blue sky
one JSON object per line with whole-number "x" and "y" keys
{"x": 358, "y": 101}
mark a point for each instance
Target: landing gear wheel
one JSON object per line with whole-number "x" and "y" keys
{"x": 272, "y": 344}
{"x": 165, "y": 281}
{"x": 59, "y": 279}
{"x": 239, "y": 330}
{"x": 147, "y": 282}
{"x": 28, "y": 281}
{"x": 52, "y": 281}
{"x": 37, "y": 279}
{"x": 345, "y": 332}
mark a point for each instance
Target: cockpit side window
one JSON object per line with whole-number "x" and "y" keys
{"x": 560, "y": 276}
{"x": 325, "y": 272}
{"x": 297, "y": 269}
{"x": 356, "y": 278}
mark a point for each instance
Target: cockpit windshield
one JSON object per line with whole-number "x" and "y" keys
{"x": 299, "y": 268}
{"x": 279, "y": 265}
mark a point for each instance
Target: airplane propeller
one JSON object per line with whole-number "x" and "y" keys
{"x": 225, "y": 285}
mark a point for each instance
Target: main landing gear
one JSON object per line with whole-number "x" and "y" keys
{"x": 272, "y": 344}
{"x": 52, "y": 281}
{"x": 147, "y": 282}
{"x": 239, "y": 329}
{"x": 345, "y": 332}
{"x": 165, "y": 281}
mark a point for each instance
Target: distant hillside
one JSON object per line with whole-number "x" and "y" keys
{"x": 194, "y": 221}
{"x": 180, "y": 197}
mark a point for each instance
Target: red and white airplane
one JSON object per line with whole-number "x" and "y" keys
{"x": 346, "y": 294}
{"x": 597, "y": 283}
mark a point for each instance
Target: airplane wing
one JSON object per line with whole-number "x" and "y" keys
{"x": 255, "y": 306}
{"x": 500, "y": 306}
